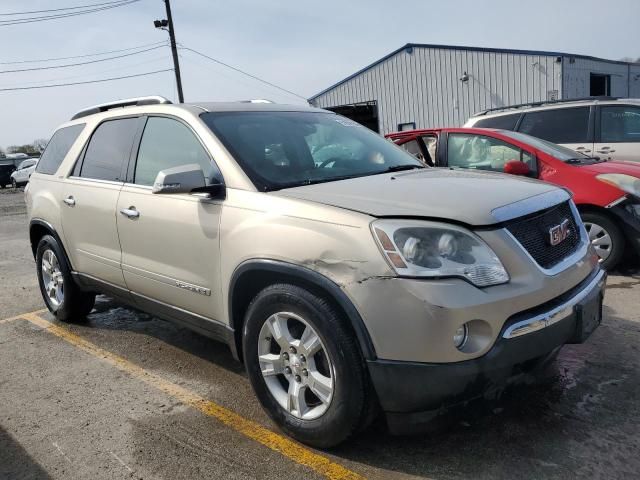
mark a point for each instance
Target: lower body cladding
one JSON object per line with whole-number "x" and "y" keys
{"x": 412, "y": 394}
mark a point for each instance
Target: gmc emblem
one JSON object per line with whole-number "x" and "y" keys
{"x": 558, "y": 233}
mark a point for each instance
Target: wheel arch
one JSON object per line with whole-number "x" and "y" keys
{"x": 591, "y": 208}
{"x": 250, "y": 277}
{"x": 38, "y": 228}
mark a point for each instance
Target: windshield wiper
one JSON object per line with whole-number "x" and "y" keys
{"x": 400, "y": 168}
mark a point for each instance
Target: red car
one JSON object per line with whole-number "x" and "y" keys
{"x": 606, "y": 193}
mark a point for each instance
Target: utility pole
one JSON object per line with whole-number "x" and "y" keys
{"x": 168, "y": 25}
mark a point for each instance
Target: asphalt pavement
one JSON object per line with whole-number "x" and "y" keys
{"x": 126, "y": 395}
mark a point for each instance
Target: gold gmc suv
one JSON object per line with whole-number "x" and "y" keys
{"x": 349, "y": 279}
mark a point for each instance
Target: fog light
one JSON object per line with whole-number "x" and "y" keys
{"x": 460, "y": 337}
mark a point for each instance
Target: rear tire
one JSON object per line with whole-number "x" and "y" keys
{"x": 60, "y": 293}
{"x": 280, "y": 324}
{"x": 606, "y": 237}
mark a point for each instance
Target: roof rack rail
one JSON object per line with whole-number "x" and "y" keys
{"x": 256, "y": 100}
{"x": 544, "y": 102}
{"x": 129, "y": 102}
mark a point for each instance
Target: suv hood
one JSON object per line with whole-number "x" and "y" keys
{"x": 462, "y": 196}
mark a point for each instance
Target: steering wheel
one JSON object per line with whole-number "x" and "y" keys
{"x": 331, "y": 160}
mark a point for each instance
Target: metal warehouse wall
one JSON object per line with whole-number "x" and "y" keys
{"x": 422, "y": 85}
{"x": 577, "y": 75}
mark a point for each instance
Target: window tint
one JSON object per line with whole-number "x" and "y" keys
{"x": 562, "y": 125}
{"x": 483, "y": 153}
{"x": 620, "y": 124}
{"x": 109, "y": 150}
{"x": 167, "y": 143}
{"x": 503, "y": 122}
{"x": 57, "y": 148}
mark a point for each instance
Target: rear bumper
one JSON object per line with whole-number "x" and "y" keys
{"x": 412, "y": 394}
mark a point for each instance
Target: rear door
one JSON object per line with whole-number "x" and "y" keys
{"x": 618, "y": 132}
{"x": 90, "y": 196}
{"x": 170, "y": 242}
{"x": 568, "y": 126}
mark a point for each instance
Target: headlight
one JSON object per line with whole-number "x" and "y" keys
{"x": 426, "y": 249}
{"x": 624, "y": 182}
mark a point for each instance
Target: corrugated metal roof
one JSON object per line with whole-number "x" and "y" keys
{"x": 410, "y": 46}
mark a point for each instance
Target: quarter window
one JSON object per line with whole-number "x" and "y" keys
{"x": 109, "y": 149}
{"x": 502, "y": 122}
{"x": 560, "y": 125}
{"x": 484, "y": 153}
{"x": 620, "y": 124}
{"x": 57, "y": 148}
{"x": 167, "y": 143}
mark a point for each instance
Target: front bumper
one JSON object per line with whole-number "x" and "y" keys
{"x": 412, "y": 393}
{"x": 628, "y": 213}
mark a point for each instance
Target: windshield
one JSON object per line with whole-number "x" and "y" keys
{"x": 561, "y": 153}
{"x": 287, "y": 149}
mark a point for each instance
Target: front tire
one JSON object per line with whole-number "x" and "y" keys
{"x": 606, "y": 238}
{"x": 60, "y": 293}
{"x": 14, "y": 184}
{"x": 305, "y": 366}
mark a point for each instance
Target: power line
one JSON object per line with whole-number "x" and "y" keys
{"x": 5, "y": 23}
{"x": 120, "y": 68}
{"x": 88, "y": 81}
{"x": 182, "y": 47}
{"x": 43, "y": 60}
{"x": 31, "y": 69}
{"x": 59, "y": 9}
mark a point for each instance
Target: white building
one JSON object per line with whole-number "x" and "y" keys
{"x": 422, "y": 86}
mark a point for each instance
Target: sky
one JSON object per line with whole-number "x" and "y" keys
{"x": 303, "y": 46}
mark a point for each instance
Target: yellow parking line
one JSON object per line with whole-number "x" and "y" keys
{"x": 18, "y": 317}
{"x": 249, "y": 428}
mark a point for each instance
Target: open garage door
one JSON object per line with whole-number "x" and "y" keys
{"x": 364, "y": 113}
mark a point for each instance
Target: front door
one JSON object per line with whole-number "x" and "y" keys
{"x": 89, "y": 198}
{"x": 618, "y": 133}
{"x": 170, "y": 242}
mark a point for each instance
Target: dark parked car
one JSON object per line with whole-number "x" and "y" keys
{"x": 7, "y": 167}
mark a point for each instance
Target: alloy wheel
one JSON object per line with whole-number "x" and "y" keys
{"x": 52, "y": 279}
{"x": 295, "y": 365}
{"x": 600, "y": 239}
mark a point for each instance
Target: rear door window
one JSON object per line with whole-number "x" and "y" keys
{"x": 57, "y": 148}
{"x": 558, "y": 125}
{"x": 108, "y": 151}
{"x": 414, "y": 149}
{"x": 502, "y": 122}
{"x": 620, "y": 124}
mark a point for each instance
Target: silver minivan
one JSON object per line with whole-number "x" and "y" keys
{"x": 604, "y": 127}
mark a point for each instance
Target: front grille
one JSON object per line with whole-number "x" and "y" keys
{"x": 533, "y": 233}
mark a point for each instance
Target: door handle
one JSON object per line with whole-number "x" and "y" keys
{"x": 70, "y": 201}
{"x": 605, "y": 151}
{"x": 130, "y": 212}
{"x": 583, "y": 150}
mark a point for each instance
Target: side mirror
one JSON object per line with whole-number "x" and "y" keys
{"x": 184, "y": 179}
{"x": 516, "y": 167}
